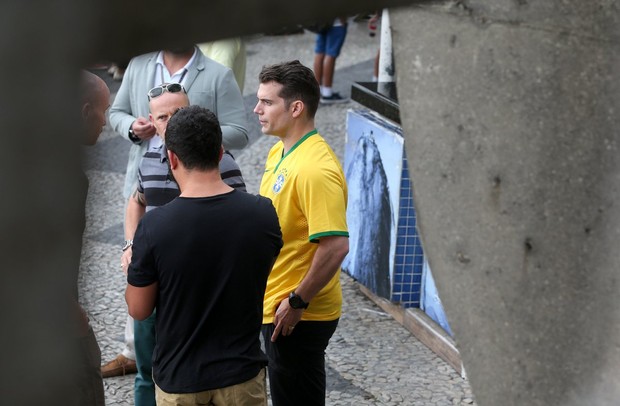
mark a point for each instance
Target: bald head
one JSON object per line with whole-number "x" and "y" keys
{"x": 91, "y": 86}
{"x": 163, "y": 107}
{"x": 95, "y": 101}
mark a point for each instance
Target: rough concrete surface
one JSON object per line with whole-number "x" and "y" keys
{"x": 511, "y": 121}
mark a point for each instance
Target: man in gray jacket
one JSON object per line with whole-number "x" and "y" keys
{"x": 208, "y": 84}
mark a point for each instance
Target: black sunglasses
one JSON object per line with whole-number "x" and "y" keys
{"x": 165, "y": 87}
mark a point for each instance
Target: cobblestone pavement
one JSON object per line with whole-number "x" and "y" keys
{"x": 371, "y": 359}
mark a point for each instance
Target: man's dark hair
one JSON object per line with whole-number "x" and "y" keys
{"x": 298, "y": 83}
{"x": 194, "y": 135}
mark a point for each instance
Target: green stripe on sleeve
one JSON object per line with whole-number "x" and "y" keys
{"x": 316, "y": 237}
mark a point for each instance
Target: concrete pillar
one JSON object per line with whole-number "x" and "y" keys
{"x": 511, "y": 115}
{"x": 41, "y": 196}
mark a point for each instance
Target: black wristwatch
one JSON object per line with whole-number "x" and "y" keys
{"x": 133, "y": 137}
{"x": 296, "y": 301}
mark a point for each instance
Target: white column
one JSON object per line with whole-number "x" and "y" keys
{"x": 386, "y": 62}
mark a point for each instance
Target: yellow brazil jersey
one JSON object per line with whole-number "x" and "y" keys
{"x": 309, "y": 191}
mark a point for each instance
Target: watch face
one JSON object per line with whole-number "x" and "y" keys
{"x": 296, "y": 302}
{"x": 128, "y": 243}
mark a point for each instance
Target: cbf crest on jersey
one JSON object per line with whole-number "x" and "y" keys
{"x": 277, "y": 186}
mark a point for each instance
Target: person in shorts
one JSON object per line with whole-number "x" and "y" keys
{"x": 329, "y": 42}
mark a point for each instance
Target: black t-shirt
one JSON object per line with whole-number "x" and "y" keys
{"x": 211, "y": 258}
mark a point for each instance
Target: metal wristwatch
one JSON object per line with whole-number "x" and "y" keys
{"x": 296, "y": 301}
{"x": 128, "y": 243}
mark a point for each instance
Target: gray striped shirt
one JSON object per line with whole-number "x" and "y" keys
{"x": 155, "y": 180}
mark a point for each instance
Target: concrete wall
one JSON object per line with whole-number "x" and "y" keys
{"x": 510, "y": 110}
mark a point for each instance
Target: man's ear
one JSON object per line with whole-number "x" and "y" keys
{"x": 87, "y": 109}
{"x": 173, "y": 160}
{"x": 151, "y": 118}
{"x": 221, "y": 153}
{"x": 297, "y": 107}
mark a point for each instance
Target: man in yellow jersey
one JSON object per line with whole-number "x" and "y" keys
{"x": 305, "y": 181}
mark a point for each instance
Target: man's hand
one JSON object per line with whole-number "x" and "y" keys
{"x": 125, "y": 260}
{"x": 285, "y": 319}
{"x": 143, "y": 128}
{"x": 325, "y": 263}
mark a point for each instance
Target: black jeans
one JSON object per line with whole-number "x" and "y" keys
{"x": 297, "y": 363}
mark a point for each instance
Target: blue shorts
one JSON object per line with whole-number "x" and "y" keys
{"x": 331, "y": 41}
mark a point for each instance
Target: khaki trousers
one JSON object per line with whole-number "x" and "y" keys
{"x": 249, "y": 393}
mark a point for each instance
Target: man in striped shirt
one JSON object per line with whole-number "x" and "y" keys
{"x": 156, "y": 187}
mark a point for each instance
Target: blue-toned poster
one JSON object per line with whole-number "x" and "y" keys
{"x": 373, "y": 166}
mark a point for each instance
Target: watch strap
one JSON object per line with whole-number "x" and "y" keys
{"x": 133, "y": 137}
{"x": 297, "y": 302}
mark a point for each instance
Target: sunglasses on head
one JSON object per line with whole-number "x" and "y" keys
{"x": 165, "y": 87}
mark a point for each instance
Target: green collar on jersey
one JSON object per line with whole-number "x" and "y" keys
{"x": 298, "y": 143}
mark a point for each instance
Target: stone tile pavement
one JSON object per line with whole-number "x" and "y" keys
{"x": 371, "y": 359}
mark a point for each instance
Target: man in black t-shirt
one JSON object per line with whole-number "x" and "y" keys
{"x": 203, "y": 261}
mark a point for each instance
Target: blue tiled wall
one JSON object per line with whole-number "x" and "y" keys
{"x": 409, "y": 258}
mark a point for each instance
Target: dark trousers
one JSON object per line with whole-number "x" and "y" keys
{"x": 297, "y": 363}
